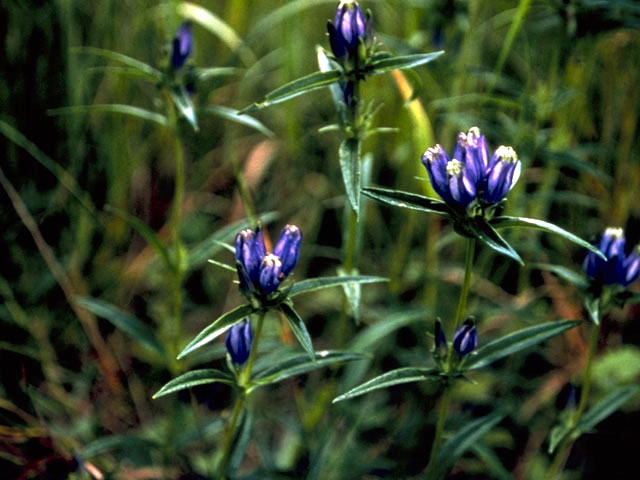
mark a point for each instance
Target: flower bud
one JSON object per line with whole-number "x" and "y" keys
{"x": 465, "y": 340}
{"x": 449, "y": 178}
{"x": 440, "y": 338}
{"x": 250, "y": 250}
{"x": 502, "y": 174}
{"x": 238, "y": 342}
{"x": 288, "y": 248}
{"x": 612, "y": 270}
{"x": 630, "y": 268}
{"x": 471, "y": 149}
{"x": 182, "y": 45}
{"x": 348, "y": 28}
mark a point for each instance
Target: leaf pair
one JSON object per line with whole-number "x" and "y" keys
{"x": 476, "y": 227}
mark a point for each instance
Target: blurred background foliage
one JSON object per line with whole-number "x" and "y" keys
{"x": 557, "y": 80}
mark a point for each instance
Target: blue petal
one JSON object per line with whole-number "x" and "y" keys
{"x": 288, "y": 248}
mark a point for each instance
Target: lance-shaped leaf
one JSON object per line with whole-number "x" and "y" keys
{"x": 112, "y": 108}
{"x": 232, "y": 115}
{"x": 217, "y": 328}
{"x": 394, "y": 377}
{"x": 483, "y": 231}
{"x": 134, "y": 328}
{"x": 569, "y": 275}
{"x": 299, "y": 329}
{"x": 606, "y": 407}
{"x": 349, "y": 154}
{"x": 145, "y": 232}
{"x": 183, "y": 103}
{"x": 312, "y": 284}
{"x": 141, "y": 67}
{"x": 300, "y": 363}
{"x": 516, "y": 341}
{"x": 522, "y": 222}
{"x": 412, "y": 201}
{"x": 293, "y": 89}
{"x": 193, "y": 378}
{"x": 592, "y": 305}
{"x": 468, "y": 435}
{"x": 387, "y": 64}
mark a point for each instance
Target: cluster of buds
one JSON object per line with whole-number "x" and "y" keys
{"x": 471, "y": 175}
{"x": 182, "y": 46}
{"x": 465, "y": 339}
{"x": 621, "y": 267}
{"x": 260, "y": 273}
{"x": 238, "y": 342}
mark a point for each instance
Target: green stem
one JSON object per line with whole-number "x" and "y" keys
{"x": 442, "y": 419}
{"x": 466, "y": 283}
{"x": 565, "y": 448}
{"x": 243, "y": 383}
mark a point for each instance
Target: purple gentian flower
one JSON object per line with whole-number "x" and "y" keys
{"x": 182, "y": 45}
{"x": 619, "y": 268}
{"x": 238, "y": 342}
{"x": 465, "y": 340}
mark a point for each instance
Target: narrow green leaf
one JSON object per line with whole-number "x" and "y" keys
{"x": 312, "y": 284}
{"x": 193, "y": 378}
{"x": 558, "y": 434}
{"x": 293, "y": 89}
{"x": 484, "y": 232}
{"x": 606, "y": 407}
{"x": 119, "y": 57}
{"x": 353, "y": 293}
{"x": 464, "y": 438}
{"x": 112, "y": 108}
{"x": 232, "y": 115}
{"x": 412, "y": 201}
{"x": 522, "y": 222}
{"x": 130, "y": 325}
{"x": 569, "y": 275}
{"x": 349, "y": 154}
{"x": 182, "y": 101}
{"x": 300, "y": 363}
{"x": 402, "y": 62}
{"x": 299, "y": 329}
{"x": 203, "y": 74}
{"x": 516, "y": 341}
{"x": 241, "y": 440}
{"x": 119, "y": 70}
{"x": 489, "y": 457}
{"x": 394, "y": 377}
{"x": 64, "y": 177}
{"x": 218, "y": 327}
{"x": 146, "y": 232}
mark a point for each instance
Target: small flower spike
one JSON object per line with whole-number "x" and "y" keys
{"x": 182, "y": 46}
{"x": 238, "y": 342}
{"x": 465, "y": 340}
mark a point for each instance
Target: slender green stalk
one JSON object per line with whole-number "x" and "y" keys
{"x": 446, "y": 396}
{"x": 243, "y": 383}
{"x": 466, "y": 283}
{"x": 565, "y": 448}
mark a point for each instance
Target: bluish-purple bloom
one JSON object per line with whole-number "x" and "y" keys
{"x": 465, "y": 340}
{"x": 238, "y": 342}
{"x": 470, "y": 175}
{"x": 620, "y": 268}
{"x": 349, "y": 27}
{"x": 262, "y": 272}
{"x": 182, "y": 45}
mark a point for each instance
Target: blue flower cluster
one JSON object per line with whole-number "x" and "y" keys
{"x": 238, "y": 342}
{"x": 261, "y": 272}
{"x": 470, "y": 175}
{"x": 621, "y": 268}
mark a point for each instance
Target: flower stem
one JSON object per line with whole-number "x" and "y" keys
{"x": 466, "y": 283}
{"x": 565, "y": 448}
{"x": 243, "y": 383}
{"x": 446, "y": 396}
